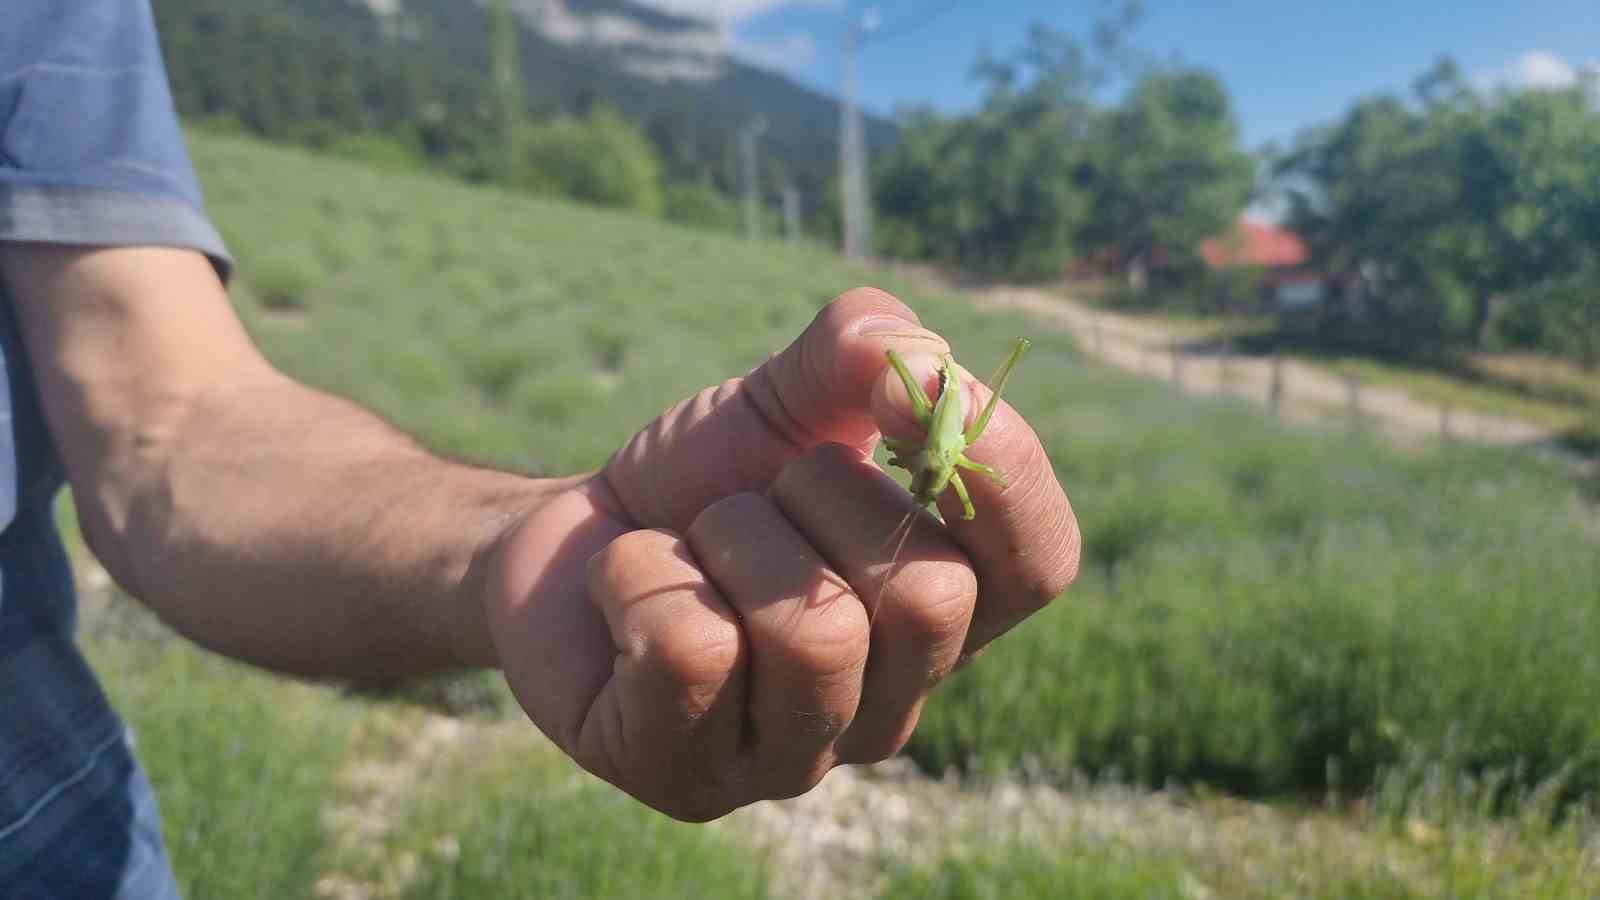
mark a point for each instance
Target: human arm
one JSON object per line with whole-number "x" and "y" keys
{"x": 687, "y": 622}
{"x": 261, "y": 518}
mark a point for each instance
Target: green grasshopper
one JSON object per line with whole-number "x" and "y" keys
{"x": 933, "y": 464}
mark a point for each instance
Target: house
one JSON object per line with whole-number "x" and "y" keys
{"x": 1288, "y": 282}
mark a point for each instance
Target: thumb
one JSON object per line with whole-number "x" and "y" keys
{"x": 738, "y": 436}
{"x": 819, "y": 389}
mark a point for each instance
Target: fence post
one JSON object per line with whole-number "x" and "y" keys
{"x": 1444, "y": 422}
{"x": 1275, "y": 385}
{"x": 1352, "y": 391}
{"x": 1224, "y": 366}
{"x": 1177, "y": 363}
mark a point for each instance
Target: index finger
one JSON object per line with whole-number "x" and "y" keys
{"x": 1024, "y": 542}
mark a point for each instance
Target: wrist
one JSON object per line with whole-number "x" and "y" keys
{"x": 481, "y": 582}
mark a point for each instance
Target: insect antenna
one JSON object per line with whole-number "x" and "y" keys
{"x": 899, "y": 536}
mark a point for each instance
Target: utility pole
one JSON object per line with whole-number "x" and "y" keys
{"x": 752, "y": 176}
{"x": 506, "y": 63}
{"x": 791, "y": 213}
{"x": 854, "y": 201}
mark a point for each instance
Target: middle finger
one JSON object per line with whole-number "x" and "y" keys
{"x": 807, "y": 636}
{"x": 921, "y": 590}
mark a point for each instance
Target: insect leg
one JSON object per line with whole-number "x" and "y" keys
{"x": 921, "y": 407}
{"x": 969, "y": 465}
{"x": 998, "y": 385}
{"x": 967, "y": 512}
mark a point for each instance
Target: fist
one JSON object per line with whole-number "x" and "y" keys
{"x": 720, "y": 615}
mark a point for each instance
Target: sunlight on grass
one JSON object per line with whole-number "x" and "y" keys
{"x": 1287, "y": 613}
{"x": 505, "y": 815}
{"x": 1261, "y": 604}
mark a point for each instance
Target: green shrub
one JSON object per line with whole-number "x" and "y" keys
{"x": 600, "y": 159}
{"x": 700, "y": 204}
{"x": 1585, "y": 436}
{"x": 281, "y": 279}
{"x": 394, "y": 152}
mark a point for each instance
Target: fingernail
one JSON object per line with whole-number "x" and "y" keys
{"x": 923, "y": 368}
{"x": 890, "y": 325}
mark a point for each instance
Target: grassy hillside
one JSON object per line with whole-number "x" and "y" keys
{"x": 1265, "y": 610}
{"x": 1261, "y": 606}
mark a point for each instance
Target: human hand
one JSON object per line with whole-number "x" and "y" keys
{"x": 691, "y": 623}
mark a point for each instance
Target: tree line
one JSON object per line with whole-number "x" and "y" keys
{"x": 1458, "y": 216}
{"x": 422, "y": 92}
{"x": 1453, "y": 217}
{"x": 1042, "y": 173}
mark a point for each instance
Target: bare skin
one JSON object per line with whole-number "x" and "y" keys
{"x": 685, "y": 622}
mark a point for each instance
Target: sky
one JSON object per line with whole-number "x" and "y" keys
{"x": 1286, "y": 64}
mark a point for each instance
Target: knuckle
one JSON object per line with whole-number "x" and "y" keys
{"x": 942, "y": 606}
{"x": 607, "y": 565}
{"x": 878, "y": 748}
{"x": 725, "y": 514}
{"x": 834, "y": 646}
{"x": 626, "y": 547}
{"x": 617, "y": 568}
{"x": 794, "y": 781}
{"x": 702, "y": 651}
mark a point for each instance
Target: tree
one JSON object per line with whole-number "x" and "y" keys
{"x": 999, "y": 190}
{"x": 1458, "y": 210}
{"x": 599, "y": 158}
{"x": 1165, "y": 168}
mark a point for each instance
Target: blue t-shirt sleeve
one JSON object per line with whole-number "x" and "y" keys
{"x": 90, "y": 148}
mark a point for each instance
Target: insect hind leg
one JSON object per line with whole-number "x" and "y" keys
{"x": 979, "y": 467}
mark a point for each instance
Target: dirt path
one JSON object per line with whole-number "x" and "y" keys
{"x": 1306, "y": 393}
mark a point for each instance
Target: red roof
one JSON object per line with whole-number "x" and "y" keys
{"x": 1255, "y": 244}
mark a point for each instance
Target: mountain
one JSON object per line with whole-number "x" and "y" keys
{"x": 282, "y": 67}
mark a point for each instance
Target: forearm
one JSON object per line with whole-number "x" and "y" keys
{"x": 291, "y": 529}
{"x": 262, "y": 518}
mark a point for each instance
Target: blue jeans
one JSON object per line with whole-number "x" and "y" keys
{"x": 77, "y": 816}
{"x": 114, "y": 849}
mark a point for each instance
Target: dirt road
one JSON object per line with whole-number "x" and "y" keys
{"x": 1304, "y": 393}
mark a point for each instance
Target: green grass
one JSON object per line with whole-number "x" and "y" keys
{"x": 505, "y": 815}
{"x": 1251, "y": 854}
{"x": 1260, "y": 606}
{"x": 1270, "y": 611}
{"x": 241, "y": 762}
{"x": 1076, "y": 873}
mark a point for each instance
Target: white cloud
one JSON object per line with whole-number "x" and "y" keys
{"x": 1535, "y": 70}
{"x": 1543, "y": 69}
{"x": 791, "y": 51}
{"x": 732, "y": 12}
{"x": 787, "y": 52}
